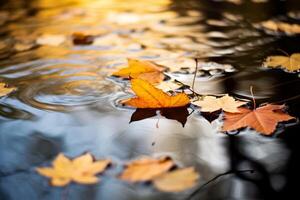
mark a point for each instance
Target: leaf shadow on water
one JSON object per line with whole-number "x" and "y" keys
{"x": 179, "y": 114}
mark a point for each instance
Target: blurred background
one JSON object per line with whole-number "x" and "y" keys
{"x": 65, "y": 100}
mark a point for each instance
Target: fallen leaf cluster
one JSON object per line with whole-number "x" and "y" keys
{"x": 149, "y": 98}
{"x": 83, "y": 170}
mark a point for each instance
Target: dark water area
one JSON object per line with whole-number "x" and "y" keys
{"x": 66, "y": 102}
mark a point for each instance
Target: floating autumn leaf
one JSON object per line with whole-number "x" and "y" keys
{"x": 290, "y": 63}
{"x": 51, "y": 40}
{"x": 150, "y": 97}
{"x": 145, "y": 70}
{"x": 212, "y": 104}
{"x": 4, "y": 90}
{"x": 281, "y": 27}
{"x": 82, "y": 39}
{"x": 263, "y": 119}
{"x": 145, "y": 169}
{"x": 177, "y": 180}
{"x": 82, "y": 170}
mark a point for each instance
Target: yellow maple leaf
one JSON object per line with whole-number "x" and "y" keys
{"x": 81, "y": 170}
{"x": 177, "y": 180}
{"x": 150, "y": 97}
{"x": 145, "y": 70}
{"x": 5, "y": 90}
{"x": 290, "y": 63}
{"x": 145, "y": 169}
{"x": 212, "y": 104}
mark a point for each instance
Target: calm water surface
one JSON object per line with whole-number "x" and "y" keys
{"x": 65, "y": 101}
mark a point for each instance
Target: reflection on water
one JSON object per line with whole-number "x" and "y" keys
{"x": 64, "y": 101}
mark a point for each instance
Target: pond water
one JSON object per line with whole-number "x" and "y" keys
{"x": 66, "y": 102}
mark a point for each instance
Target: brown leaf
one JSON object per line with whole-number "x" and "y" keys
{"x": 82, "y": 39}
{"x": 263, "y": 119}
{"x": 177, "y": 180}
{"x": 145, "y": 169}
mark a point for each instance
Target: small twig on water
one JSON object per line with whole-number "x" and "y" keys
{"x": 216, "y": 177}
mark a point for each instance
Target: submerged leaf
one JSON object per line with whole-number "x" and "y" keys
{"x": 82, "y": 170}
{"x": 290, "y": 63}
{"x": 177, "y": 180}
{"x": 150, "y": 97}
{"x": 212, "y": 104}
{"x": 146, "y": 169}
{"x": 263, "y": 119}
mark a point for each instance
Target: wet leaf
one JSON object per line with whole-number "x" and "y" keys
{"x": 4, "y": 90}
{"x": 82, "y": 170}
{"x": 146, "y": 169}
{"x": 263, "y": 119}
{"x": 212, "y": 104}
{"x": 150, "y": 97}
{"x": 177, "y": 180}
{"x": 290, "y": 63}
{"x": 145, "y": 70}
{"x": 51, "y": 40}
{"x": 82, "y": 39}
{"x": 281, "y": 27}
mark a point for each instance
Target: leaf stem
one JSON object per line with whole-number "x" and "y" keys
{"x": 253, "y": 99}
{"x": 194, "y": 79}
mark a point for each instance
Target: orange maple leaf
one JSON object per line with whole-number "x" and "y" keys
{"x": 150, "y": 97}
{"x": 263, "y": 119}
{"x": 145, "y": 70}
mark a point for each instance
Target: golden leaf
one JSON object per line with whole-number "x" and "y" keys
{"x": 145, "y": 70}
{"x": 177, "y": 180}
{"x": 5, "y": 90}
{"x": 82, "y": 170}
{"x": 145, "y": 169}
{"x": 290, "y": 63}
{"x": 226, "y": 103}
{"x": 150, "y": 97}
